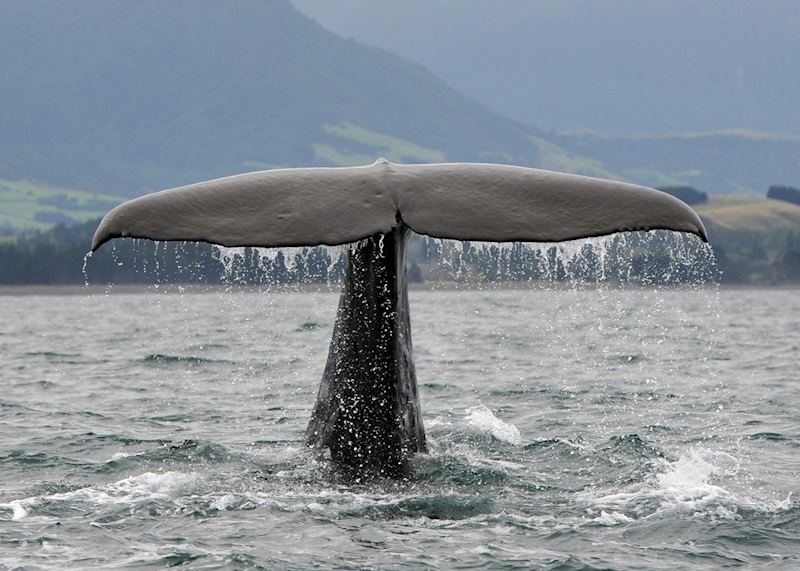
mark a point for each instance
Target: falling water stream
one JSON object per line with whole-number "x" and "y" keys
{"x": 583, "y": 413}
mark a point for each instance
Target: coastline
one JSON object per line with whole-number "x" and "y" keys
{"x": 42, "y": 290}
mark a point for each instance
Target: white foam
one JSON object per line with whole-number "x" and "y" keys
{"x": 611, "y": 518}
{"x": 483, "y": 420}
{"x": 224, "y": 502}
{"x": 165, "y": 484}
{"x": 687, "y": 485}
{"x": 436, "y": 422}
{"x": 18, "y": 510}
{"x": 132, "y": 490}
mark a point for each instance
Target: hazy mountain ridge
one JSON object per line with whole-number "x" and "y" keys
{"x": 728, "y": 162}
{"x": 618, "y": 66}
{"x": 712, "y": 70}
{"x": 118, "y": 96}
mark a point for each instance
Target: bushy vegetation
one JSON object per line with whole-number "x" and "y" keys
{"x": 747, "y": 257}
{"x": 785, "y": 193}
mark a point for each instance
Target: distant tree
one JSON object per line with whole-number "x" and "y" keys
{"x": 53, "y": 217}
{"x": 415, "y": 273}
{"x": 785, "y": 193}
{"x": 56, "y": 256}
{"x": 791, "y": 257}
{"x": 686, "y": 193}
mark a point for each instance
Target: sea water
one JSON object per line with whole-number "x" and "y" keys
{"x": 569, "y": 428}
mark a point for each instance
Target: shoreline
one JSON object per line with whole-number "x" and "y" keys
{"x": 63, "y": 290}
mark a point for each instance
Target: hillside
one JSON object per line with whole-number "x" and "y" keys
{"x": 114, "y": 96}
{"x": 749, "y": 213}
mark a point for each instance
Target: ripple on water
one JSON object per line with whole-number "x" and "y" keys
{"x": 461, "y": 467}
{"x": 437, "y": 507}
{"x": 160, "y": 358}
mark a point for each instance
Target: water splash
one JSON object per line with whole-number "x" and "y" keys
{"x": 631, "y": 258}
{"x": 692, "y": 484}
{"x": 86, "y": 258}
{"x": 483, "y": 420}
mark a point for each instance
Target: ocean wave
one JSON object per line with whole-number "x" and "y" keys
{"x": 462, "y": 465}
{"x": 435, "y": 507}
{"x": 162, "y": 358}
{"x": 630, "y": 446}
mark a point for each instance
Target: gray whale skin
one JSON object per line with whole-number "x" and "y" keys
{"x": 367, "y": 411}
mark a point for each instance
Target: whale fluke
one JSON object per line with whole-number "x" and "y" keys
{"x": 332, "y": 206}
{"x": 367, "y": 412}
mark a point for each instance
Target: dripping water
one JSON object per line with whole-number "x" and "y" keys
{"x": 641, "y": 258}
{"x": 86, "y": 258}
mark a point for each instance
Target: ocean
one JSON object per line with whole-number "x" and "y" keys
{"x": 569, "y": 428}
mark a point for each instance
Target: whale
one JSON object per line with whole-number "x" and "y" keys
{"x": 367, "y": 414}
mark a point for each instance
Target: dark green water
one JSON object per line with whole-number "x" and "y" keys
{"x": 629, "y": 429}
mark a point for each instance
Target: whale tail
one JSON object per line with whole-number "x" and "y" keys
{"x": 367, "y": 412}
{"x": 332, "y": 206}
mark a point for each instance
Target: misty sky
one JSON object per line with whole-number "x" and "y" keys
{"x": 617, "y": 66}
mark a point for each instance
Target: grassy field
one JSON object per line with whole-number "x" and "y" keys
{"x": 371, "y": 143}
{"x": 749, "y": 212}
{"x": 552, "y": 157}
{"x": 27, "y": 205}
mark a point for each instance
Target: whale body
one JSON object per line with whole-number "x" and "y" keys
{"x": 367, "y": 412}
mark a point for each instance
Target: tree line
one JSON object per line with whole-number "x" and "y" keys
{"x": 57, "y": 256}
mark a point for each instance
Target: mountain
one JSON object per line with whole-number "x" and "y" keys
{"x": 115, "y": 96}
{"x": 714, "y": 80}
{"x": 109, "y": 98}
{"x": 623, "y": 67}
